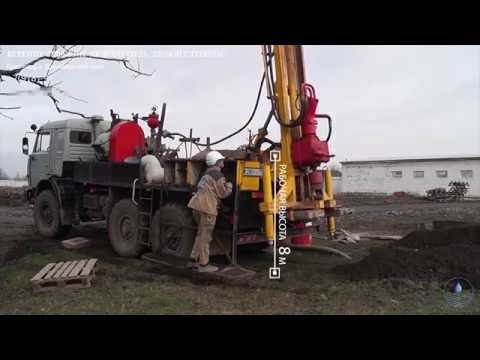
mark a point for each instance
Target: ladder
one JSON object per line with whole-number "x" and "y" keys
{"x": 145, "y": 214}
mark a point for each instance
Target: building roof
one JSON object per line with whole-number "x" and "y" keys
{"x": 412, "y": 159}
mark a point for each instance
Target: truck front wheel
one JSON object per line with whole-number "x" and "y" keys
{"x": 46, "y": 215}
{"x": 123, "y": 230}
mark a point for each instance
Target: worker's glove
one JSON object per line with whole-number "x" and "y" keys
{"x": 229, "y": 186}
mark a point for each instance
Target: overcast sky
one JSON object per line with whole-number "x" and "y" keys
{"x": 385, "y": 101}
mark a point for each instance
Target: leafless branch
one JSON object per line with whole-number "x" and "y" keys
{"x": 6, "y": 116}
{"x": 54, "y": 49}
{"x": 60, "y": 67}
{"x": 8, "y": 108}
{"x": 62, "y": 54}
{"x": 60, "y": 110}
{"x": 71, "y": 49}
{"x": 126, "y": 63}
{"x": 64, "y": 93}
{"x": 28, "y": 92}
{"x": 66, "y": 50}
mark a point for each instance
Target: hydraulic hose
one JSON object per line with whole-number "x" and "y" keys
{"x": 326, "y": 116}
{"x": 259, "y": 94}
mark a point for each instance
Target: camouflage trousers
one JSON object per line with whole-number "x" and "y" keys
{"x": 201, "y": 247}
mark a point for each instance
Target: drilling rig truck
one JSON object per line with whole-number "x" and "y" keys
{"x": 88, "y": 169}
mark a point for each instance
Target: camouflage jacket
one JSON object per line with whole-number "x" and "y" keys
{"x": 211, "y": 188}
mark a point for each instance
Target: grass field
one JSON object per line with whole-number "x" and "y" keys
{"x": 308, "y": 284}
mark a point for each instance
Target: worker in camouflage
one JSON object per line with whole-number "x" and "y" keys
{"x": 211, "y": 188}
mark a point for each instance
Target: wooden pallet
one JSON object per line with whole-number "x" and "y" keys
{"x": 70, "y": 274}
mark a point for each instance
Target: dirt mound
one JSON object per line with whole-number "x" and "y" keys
{"x": 432, "y": 239}
{"x": 423, "y": 255}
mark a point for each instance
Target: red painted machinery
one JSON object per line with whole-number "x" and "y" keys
{"x": 153, "y": 121}
{"x": 310, "y": 150}
{"x": 316, "y": 183}
{"x": 127, "y": 139}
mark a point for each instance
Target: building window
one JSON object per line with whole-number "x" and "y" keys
{"x": 466, "y": 173}
{"x": 442, "y": 173}
{"x": 418, "y": 174}
{"x": 396, "y": 174}
{"x": 80, "y": 137}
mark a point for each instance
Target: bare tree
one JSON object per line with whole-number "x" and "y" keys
{"x": 8, "y": 108}
{"x": 60, "y": 55}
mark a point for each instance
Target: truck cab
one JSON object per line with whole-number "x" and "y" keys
{"x": 57, "y": 145}
{"x": 59, "y": 141}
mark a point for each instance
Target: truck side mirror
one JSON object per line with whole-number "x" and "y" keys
{"x": 25, "y": 145}
{"x": 33, "y": 127}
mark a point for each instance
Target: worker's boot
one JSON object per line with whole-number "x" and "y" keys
{"x": 207, "y": 268}
{"x": 192, "y": 264}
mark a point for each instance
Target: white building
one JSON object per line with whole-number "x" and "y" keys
{"x": 413, "y": 175}
{"x": 337, "y": 184}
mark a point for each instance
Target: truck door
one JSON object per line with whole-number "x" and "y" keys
{"x": 39, "y": 160}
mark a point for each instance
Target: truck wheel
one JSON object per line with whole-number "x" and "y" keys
{"x": 175, "y": 239}
{"x": 123, "y": 231}
{"x": 46, "y": 216}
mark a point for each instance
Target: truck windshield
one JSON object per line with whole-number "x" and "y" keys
{"x": 43, "y": 142}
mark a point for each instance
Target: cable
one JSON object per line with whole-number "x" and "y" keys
{"x": 325, "y": 116}
{"x": 247, "y": 123}
{"x": 237, "y": 131}
{"x": 267, "y": 74}
{"x": 177, "y": 134}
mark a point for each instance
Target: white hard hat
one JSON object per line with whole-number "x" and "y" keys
{"x": 213, "y": 157}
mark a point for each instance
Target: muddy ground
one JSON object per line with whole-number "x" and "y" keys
{"x": 311, "y": 282}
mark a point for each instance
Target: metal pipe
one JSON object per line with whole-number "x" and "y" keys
{"x": 268, "y": 201}
{"x": 133, "y": 191}
{"x": 158, "y": 142}
{"x": 281, "y": 87}
{"x": 293, "y": 87}
{"x": 300, "y": 64}
{"x": 328, "y": 193}
{"x": 331, "y": 224}
{"x": 235, "y": 224}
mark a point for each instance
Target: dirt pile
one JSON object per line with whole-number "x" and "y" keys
{"x": 426, "y": 255}
{"x": 454, "y": 235}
